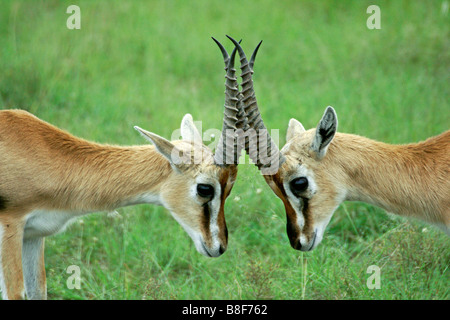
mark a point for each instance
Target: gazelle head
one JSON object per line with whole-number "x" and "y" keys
{"x": 307, "y": 183}
{"x": 196, "y": 188}
{"x": 296, "y": 174}
{"x": 200, "y": 181}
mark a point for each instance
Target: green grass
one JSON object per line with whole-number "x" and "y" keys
{"x": 148, "y": 63}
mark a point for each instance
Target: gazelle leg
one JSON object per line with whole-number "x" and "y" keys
{"x": 34, "y": 268}
{"x": 11, "y": 237}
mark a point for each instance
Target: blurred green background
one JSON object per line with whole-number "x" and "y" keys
{"x": 148, "y": 63}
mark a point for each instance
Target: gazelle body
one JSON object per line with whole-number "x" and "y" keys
{"x": 323, "y": 168}
{"x": 48, "y": 177}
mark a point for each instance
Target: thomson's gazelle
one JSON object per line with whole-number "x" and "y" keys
{"x": 48, "y": 177}
{"x": 324, "y": 168}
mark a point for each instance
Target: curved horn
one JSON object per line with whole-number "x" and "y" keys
{"x": 254, "y": 117}
{"x": 234, "y": 115}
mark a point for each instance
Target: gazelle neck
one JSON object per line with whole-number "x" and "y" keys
{"x": 107, "y": 177}
{"x": 410, "y": 180}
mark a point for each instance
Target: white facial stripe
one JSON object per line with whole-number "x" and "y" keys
{"x": 214, "y": 207}
{"x": 193, "y": 231}
{"x": 215, "y": 201}
{"x": 303, "y": 171}
{"x": 296, "y": 203}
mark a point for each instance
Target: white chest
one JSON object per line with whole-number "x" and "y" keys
{"x": 43, "y": 223}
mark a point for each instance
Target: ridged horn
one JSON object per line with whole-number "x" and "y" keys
{"x": 227, "y": 151}
{"x": 265, "y": 146}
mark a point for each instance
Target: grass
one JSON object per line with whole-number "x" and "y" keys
{"x": 148, "y": 63}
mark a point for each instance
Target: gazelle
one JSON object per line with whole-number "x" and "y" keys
{"x": 49, "y": 177}
{"x": 320, "y": 168}
{"x": 323, "y": 168}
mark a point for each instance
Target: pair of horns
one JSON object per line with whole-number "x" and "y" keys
{"x": 243, "y": 127}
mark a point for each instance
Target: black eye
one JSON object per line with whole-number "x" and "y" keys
{"x": 298, "y": 185}
{"x": 205, "y": 190}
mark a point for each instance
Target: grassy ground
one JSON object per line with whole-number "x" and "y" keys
{"x": 148, "y": 63}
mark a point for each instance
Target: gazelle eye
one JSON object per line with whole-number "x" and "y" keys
{"x": 205, "y": 190}
{"x": 298, "y": 185}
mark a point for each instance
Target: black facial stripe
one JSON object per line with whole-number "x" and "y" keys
{"x": 305, "y": 206}
{"x": 222, "y": 192}
{"x": 2, "y": 203}
{"x": 292, "y": 232}
{"x": 226, "y": 233}
{"x": 308, "y": 218}
{"x": 206, "y": 217}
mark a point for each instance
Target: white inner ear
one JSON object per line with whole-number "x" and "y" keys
{"x": 295, "y": 128}
{"x": 166, "y": 148}
{"x": 188, "y": 129}
{"x": 326, "y": 129}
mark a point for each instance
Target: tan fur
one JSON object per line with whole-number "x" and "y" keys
{"x": 411, "y": 180}
{"x": 11, "y": 259}
{"x": 45, "y": 168}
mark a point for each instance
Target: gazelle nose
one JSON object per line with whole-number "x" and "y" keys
{"x": 307, "y": 245}
{"x": 297, "y": 245}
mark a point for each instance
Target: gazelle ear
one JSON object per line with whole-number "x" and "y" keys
{"x": 164, "y": 147}
{"x": 325, "y": 131}
{"x": 188, "y": 129}
{"x": 295, "y": 128}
